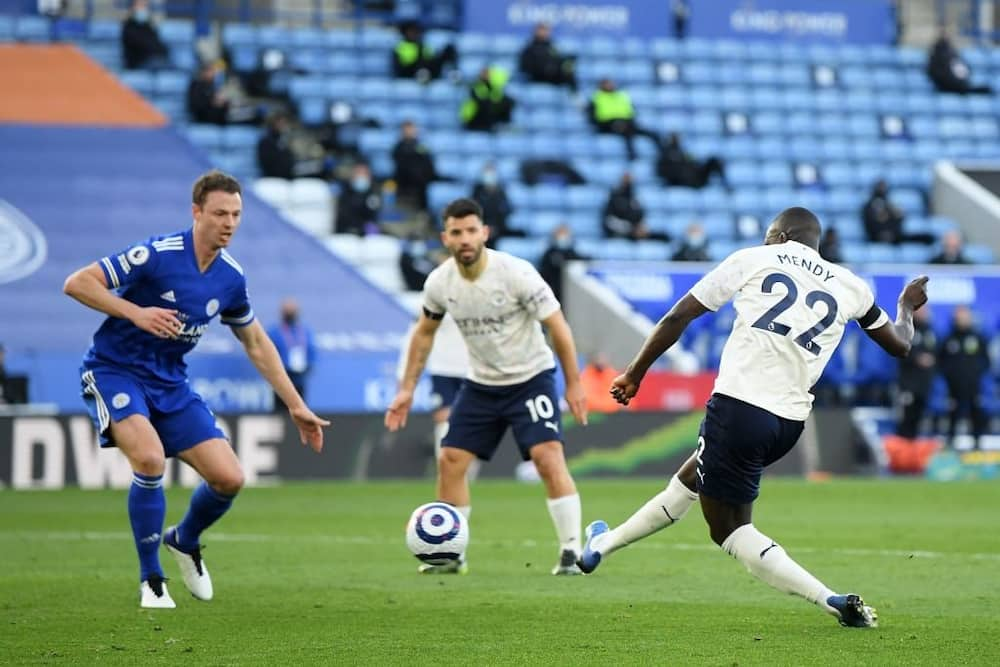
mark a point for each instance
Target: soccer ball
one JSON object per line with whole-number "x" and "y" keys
{"x": 437, "y": 533}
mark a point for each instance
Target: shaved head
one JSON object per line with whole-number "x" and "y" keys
{"x": 795, "y": 224}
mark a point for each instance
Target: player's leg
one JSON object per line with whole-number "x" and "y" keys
{"x": 739, "y": 440}
{"x": 532, "y": 410}
{"x": 562, "y": 500}
{"x": 124, "y": 422}
{"x": 474, "y": 431}
{"x": 147, "y": 505}
{"x": 189, "y": 432}
{"x": 662, "y": 510}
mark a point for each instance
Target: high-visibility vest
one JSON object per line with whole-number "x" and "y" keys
{"x": 497, "y": 78}
{"x": 613, "y": 105}
{"x": 409, "y": 52}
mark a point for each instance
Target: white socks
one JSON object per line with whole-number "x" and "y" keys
{"x": 466, "y": 510}
{"x": 662, "y": 510}
{"x": 565, "y": 513}
{"x": 767, "y": 561}
{"x": 440, "y": 430}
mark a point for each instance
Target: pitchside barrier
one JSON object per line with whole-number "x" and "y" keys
{"x": 52, "y": 452}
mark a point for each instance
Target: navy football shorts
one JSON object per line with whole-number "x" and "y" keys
{"x": 444, "y": 388}
{"x": 736, "y": 442}
{"x": 180, "y": 416}
{"x": 481, "y": 414}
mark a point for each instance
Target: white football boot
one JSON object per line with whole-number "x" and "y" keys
{"x": 192, "y": 567}
{"x": 153, "y": 594}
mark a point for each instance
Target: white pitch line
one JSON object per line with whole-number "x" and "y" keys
{"x": 78, "y": 536}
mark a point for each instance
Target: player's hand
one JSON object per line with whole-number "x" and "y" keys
{"x": 399, "y": 410}
{"x": 576, "y": 397}
{"x": 161, "y": 322}
{"x": 623, "y": 388}
{"x": 914, "y": 294}
{"x": 310, "y": 427}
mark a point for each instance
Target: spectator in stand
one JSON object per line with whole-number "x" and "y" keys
{"x": 209, "y": 102}
{"x": 492, "y": 197}
{"x": 624, "y": 217}
{"x": 488, "y": 105}
{"x": 681, "y": 12}
{"x": 596, "y": 377}
{"x": 676, "y": 167}
{"x": 964, "y": 360}
{"x": 411, "y": 59}
{"x": 559, "y": 252}
{"x": 414, "y": 169}
{"x": 829, "y": 246}
{"x": 359, "y": 203}
{"x": 541, "y": 61}
{"x": 415, "y": 263}
{"x": 694, "y": 245}
{"x": 916, "y": 374}
{"x": 883, "y": 219}
{"x": 611, "y": 112}
{"x": 951, "y": 250}
{"x": 276, "y": 157}
{"x": 141, "y": 43}
{"x": 947, "y": 70}
{"x": 294, "y": 343}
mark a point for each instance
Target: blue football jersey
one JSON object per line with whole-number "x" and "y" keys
{"x": 163, "y": 272}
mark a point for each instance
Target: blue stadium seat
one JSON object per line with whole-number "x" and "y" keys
{"x": 313, "y": 110}
{"x": 507, "y": 46}
{"x": 311, "y": 60}
{"x": 530, "y": 249}
{"x": 512, "y": 146}
{"x": 439, "y": 194}
{"x": 244, "y": 57}
{"x": 177, "y": 33}
{"x": 240, "y": 137}
{"x": 206, "y": 137}
{"x": 239, "y": 34}
{"x": 171, "y": 83}
{"x": 32, "y": 29}
{"x": 307, "y": 86}
{"x": 140, "y": 81}
{"x": 97, "y": 30}
{"x": 979, "y": 254}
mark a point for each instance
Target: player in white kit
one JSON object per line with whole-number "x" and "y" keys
{"x": 791, "y": 310}
{"x": 499, "y": 303}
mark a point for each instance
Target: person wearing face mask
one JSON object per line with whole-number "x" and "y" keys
{"x": 294, "y": 342}
{"x": 141, "y": 43}
{"x": 624, "y": 215}
{"x": 694, "y": 245}
{"x": 559, "y": 252}
{"x": 359, "y": 203}
{"x": 492, "y": 197}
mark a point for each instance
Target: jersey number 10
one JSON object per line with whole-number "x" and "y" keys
{"x": 768, "y": 321}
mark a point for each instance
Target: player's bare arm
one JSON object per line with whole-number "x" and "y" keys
{"x": 562, "y": 343}
{"x": 264, "y": 356}
{"x": 416, "y": 358}
{"x": 664, "y": 335}
{"x": 89, "y": 286}
{"x": 895, "y": 337}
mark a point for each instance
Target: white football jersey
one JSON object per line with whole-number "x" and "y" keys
{"x": 498, "y": 315}
{"x": 448, "y": 356}
{"x": 791, "y": 309}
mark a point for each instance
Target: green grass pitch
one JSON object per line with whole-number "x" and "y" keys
{"x": 319, "y": 574}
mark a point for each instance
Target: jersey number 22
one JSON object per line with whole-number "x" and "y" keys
{"x": 768, "y": 321}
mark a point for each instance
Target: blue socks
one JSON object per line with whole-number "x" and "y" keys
{"x": 207, "y": 506}
{"x": 147, "y": 508}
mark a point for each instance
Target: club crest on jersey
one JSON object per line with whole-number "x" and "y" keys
{"x": 498, "y": 299}
{"x": 120, "y": 400}
{"x": 138, "y": 255}
{"x": 212, "y": 307}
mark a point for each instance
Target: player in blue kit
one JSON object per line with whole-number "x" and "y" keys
{"x": 160, "y": 296}
{"x": 791, "y": 310}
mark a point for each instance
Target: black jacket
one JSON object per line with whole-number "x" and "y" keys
{"x": 675, "y": 167}
{"x": 201, "y": 104}
{"x": 275, "y": 157}
{"x": 414, "y": 166}
{"x": 912, "y": 376}
{"x": 963, "y": 359}
{"x": 883, "y": 221}
{"x": 541, "y": 61}
{"x": 141, "y": 43}
{"x": 622, "y": 213}
{"x": 550, "y": 267}
{"x": 356, "y": 209}
{"x": 496, "y": 208}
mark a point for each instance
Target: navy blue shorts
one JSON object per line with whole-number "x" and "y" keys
{"x": 444, "y": 388}
{"x": 481, "y": 414}
{"x": 180, "y": 416}
{"x": 736, "y": 442}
